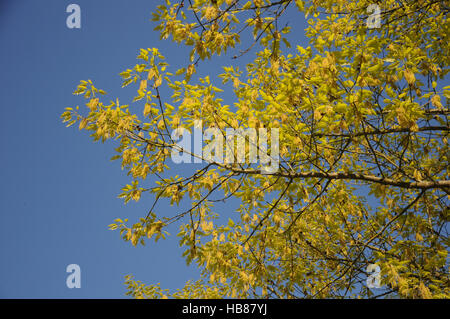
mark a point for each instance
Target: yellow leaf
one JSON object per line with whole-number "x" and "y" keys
{"x": 83, "y": 123}
{"x": 424, "y": 291}
{"x": 409, "y": 76}
{"x": 436, "y": 101}
{"x": 419, "y": 237}
{"x": 151, "y": 74}
{"x": 161, "y": 124}
{"x": 158, "y": 81}
{"x": 143, "y": 85}
{"x": 92, "y": 104}
{"x": 190, "y": 71}
{"x": 147, "y": 109}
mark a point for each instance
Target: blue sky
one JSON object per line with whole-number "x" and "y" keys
{"x": 59, "y": 189}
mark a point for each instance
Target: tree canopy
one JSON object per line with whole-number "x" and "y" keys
{"x": 362, "y": 115}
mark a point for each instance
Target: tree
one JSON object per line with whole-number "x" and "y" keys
{"x": 363, "y": 148}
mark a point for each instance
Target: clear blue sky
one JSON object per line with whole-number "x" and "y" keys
{"x": 58, "y": 188}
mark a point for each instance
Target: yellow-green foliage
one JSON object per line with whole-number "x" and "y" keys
{"x": 358, "y": 109}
